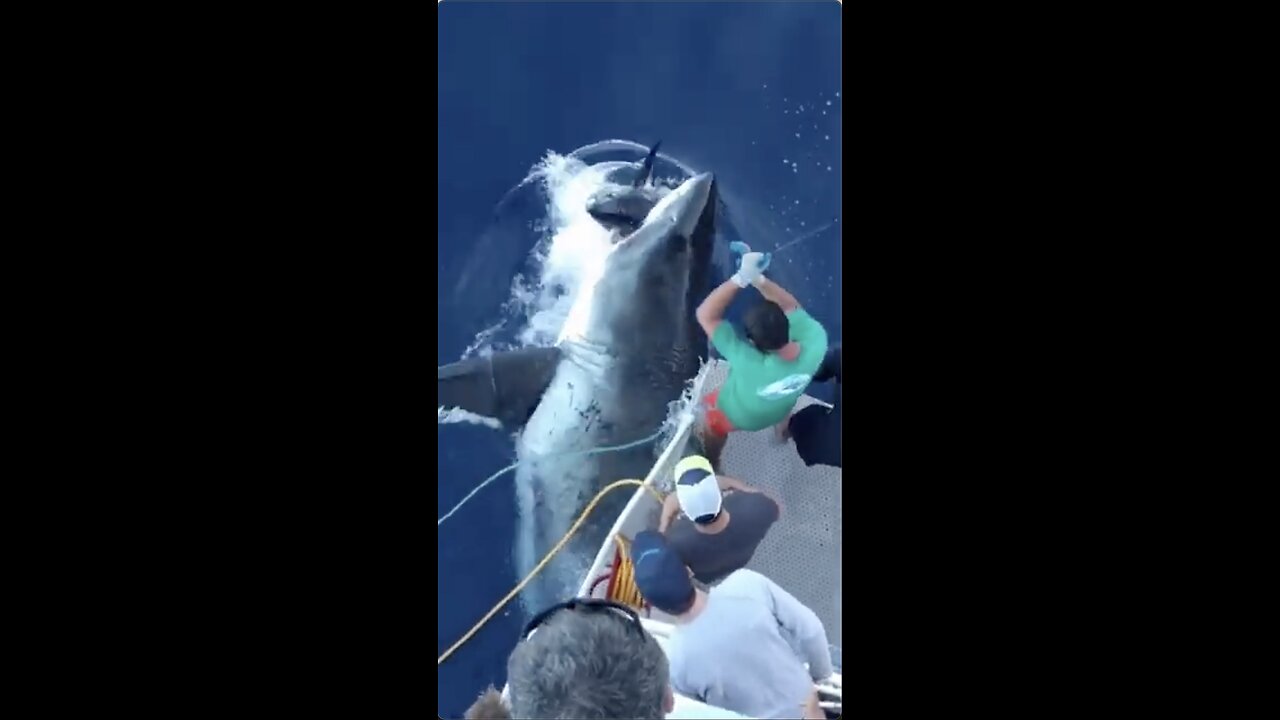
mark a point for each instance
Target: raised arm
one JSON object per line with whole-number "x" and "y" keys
{"x": 711, "y": 312}
{"x": 774, "y": 293}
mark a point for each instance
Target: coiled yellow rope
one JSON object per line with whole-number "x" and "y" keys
{"x": 537, "y": 569}
{"x": 622, "y": 586}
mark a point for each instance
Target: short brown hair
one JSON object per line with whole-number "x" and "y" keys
{"x": 767, "y": 326}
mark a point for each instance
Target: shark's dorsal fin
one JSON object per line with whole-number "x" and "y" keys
{"x": 647, "y": 169}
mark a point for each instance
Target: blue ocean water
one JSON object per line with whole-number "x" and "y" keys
{"x": 750, "y": 91}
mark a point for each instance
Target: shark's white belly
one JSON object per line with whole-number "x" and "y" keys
{"x": 556, "y": 474}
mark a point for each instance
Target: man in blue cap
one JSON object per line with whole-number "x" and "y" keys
{"x": 738, "y": 646}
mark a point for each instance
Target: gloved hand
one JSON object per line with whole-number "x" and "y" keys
{"x": 751, "y": 265}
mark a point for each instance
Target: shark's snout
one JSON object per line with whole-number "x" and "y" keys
{"x": 684, "y": 206}
{"x": 700, "y": 188}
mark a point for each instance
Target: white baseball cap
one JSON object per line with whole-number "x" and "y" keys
{"x": 697, "y": 490}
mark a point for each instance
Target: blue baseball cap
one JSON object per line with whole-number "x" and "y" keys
{"x": 661, "y": 575}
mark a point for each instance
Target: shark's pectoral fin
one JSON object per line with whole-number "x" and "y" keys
{"x": 504, "y": 386}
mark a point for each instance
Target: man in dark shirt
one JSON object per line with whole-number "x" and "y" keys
{"x": 723, "y": 521}
{"x": 816, "y": 429}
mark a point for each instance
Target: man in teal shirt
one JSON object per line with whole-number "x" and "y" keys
{"x": 768, "y": 370}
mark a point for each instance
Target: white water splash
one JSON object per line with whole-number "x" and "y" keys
{"x": 568, "y": 257}
{"x": 455, "y": 415}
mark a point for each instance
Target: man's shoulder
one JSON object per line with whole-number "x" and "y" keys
{"x": 741, "y": 578}
{"x": 757, "y": 505}
{"x": 799, "y": 314}
{"x": 752, "y": 362}
{"x": 804, "y": 324}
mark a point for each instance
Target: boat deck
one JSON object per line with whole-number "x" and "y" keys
{"x": 802, "y": 551}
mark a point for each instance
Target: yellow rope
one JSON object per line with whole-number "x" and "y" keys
{"x": 515, "y": 591}
{"x": 623, "y": 587}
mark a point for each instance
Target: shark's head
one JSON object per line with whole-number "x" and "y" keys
{"x": 622, "y": 207}
{"x": 656, "y": 275}
{"x": 627, "y": 197}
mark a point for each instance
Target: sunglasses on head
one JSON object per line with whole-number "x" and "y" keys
{"x": 589, "y": 605}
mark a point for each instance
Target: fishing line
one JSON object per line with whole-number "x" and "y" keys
{"x": 513, "y": 466}
{"x": 805, "y": 236}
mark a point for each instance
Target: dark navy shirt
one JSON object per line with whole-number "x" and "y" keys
{"x": 711, "y": 557}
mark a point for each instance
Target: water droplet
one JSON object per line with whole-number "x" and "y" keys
{"x": 785, "y": 162}
{"x": 801, "y": 223}
{"x": 824, "y": 112}
{"x": 765, "y": 86}
{"x": 797, "y": 202}
{"x": 826, "y": 137}
{"x": 837, "y": 94}
{"x": 828, "y": 168}
{"x": 797, "y": 134}
{"x": 828, "y": 102}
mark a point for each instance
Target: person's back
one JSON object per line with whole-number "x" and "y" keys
{"x": 770, "y": 369}
{"x": 743, "y": 650}
{"x": 762, "y": 387}
{"x": 713, "y": 555}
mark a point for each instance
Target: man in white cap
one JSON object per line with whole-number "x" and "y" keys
{"x": 723, "y": 522}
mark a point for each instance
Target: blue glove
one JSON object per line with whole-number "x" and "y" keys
{"x": 751, "y": 265}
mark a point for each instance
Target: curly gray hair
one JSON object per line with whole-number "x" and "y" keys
{"x": 587, "y": 666}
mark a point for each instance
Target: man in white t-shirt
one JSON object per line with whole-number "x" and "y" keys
{"x": 743, "y": 644}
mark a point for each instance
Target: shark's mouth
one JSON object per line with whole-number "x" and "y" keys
{"x": 624, "y": 223}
